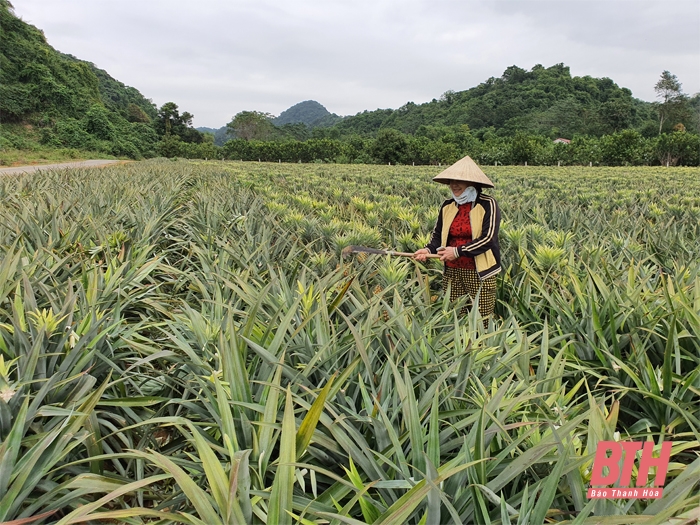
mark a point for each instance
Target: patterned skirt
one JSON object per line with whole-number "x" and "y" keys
{"x": 464, "y": 281}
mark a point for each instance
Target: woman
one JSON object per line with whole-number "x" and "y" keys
{"x": 466, "y": 236}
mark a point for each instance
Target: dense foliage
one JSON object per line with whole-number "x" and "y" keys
{"x": 221, "y": 135}
{"x": 54, "y": 100}
{"x": 445, "y": 146}
{"x": 542, "y": 101}
{"x": 181, "y": 342}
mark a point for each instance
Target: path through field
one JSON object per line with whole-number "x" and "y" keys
{"x": 78, "y": 164}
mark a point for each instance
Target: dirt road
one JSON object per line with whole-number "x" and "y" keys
{"x": 44, "y": 167}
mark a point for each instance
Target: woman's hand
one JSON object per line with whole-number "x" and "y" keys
{"x": 447, "y": 254}
{"x": 420, "y": 255}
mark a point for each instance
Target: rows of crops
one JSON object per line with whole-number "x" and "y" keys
{"x": 181, "y": 342}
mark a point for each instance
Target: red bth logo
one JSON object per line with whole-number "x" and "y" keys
{"x": 619, "y": 473}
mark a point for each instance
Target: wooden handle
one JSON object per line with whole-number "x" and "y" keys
{"x": 406, "y": 254}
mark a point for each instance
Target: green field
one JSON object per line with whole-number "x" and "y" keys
{"x": 181, "y": 342}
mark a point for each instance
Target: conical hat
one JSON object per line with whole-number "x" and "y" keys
{"x": 466, "y": 170}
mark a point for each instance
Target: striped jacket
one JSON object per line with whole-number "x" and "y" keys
{"x": 485, "y": 219}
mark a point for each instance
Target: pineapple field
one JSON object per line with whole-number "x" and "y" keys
{"x": 182, "y": 342}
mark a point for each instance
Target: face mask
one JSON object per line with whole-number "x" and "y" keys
{"x": 468, "y": 195}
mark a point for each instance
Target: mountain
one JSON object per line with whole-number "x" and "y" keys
{"x": 309, "y": 112}
{"x": 294, "y": 123}
{"x": 546, "y": 101}
{"x": 51, "y": 99}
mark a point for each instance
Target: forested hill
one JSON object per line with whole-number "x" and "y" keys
{"x": 37, "y": 79}
{"x": 57, "y": 100}
{"x": 310, "y": 113}
{"x": 543, "y": 101}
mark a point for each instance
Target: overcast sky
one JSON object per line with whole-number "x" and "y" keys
{"x": 215, "y": 58}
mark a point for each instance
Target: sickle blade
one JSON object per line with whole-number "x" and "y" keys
{"x": 362, "y": 249}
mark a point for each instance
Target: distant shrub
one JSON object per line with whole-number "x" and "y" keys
{"x": 68, "y": 133}
{"x": 97, "y": 123}
{"x": 170, "y": 146}
{"x": 677, "y": 148}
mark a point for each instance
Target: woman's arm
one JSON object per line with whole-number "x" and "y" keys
{"x": 436, "y": 235}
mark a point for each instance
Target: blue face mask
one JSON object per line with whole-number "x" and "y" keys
{"x": 468, "y": 195}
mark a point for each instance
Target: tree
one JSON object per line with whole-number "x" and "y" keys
{"x": 515, "y": 74}
{"x": 136, "y": 114}
{"x": 390, "y": 146}
{"x": 296, "y": 131}
{"x": 678, "y": 147}
{"x": 97, "y": 123}
{"x": 693, "y": 123}
{"x": 170, "y": 146}
{"x": 251, "y": 125}
{"x": 524, "y": 147}
{"x": 166, "y": 114}
{"x": 623, "y": 148}
{"x": 171, "y": 122}
{"x": 447, "y": 97}
{"x": 668, "y": 89}
{"x": 616, "y": 114}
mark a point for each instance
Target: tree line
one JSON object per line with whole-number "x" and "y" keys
{"x": 625, "y": 148}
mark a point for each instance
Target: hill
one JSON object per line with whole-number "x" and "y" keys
{"x": 220, "y": 135}
{"x": 51, "y": 99}
{"x": 310, "y": 113}
{"x": 543, "y": 101}
{"x": 294, "y": 123}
